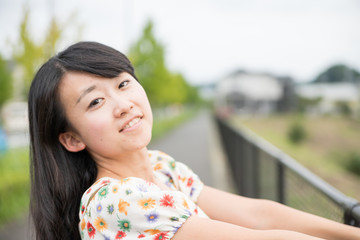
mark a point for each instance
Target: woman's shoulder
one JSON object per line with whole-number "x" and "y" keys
{"x": 117, "y": 184}
{"x": 161, "y": 160}
{"x": 159, "y": 156}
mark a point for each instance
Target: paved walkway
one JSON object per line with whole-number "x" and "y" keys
{"x": 194, "y": 143}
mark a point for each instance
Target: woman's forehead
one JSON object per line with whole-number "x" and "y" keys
{"x": 77, "y": 84}
{"x": 74, "y": 85}
{"x": 73, "y": 76}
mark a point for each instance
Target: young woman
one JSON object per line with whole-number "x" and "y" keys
{"x": 93, "y": 177}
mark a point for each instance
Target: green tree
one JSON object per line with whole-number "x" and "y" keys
{"x": 30, "y": 54}
{"x": 5, "y": 81}
{"x": 26, "y": 53}
{"x": 55, "y": 33}
{"x": 338, "y": 73}
{"x": 162, "y": 86}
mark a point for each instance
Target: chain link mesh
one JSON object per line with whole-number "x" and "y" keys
{"x": 301, "y": 195}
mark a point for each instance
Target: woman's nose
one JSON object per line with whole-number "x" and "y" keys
{"x": 122, "y": 109}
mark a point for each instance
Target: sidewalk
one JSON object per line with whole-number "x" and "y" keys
{"x": 194, "y": 143}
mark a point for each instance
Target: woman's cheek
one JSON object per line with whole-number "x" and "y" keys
{"x": 96, "y": 127}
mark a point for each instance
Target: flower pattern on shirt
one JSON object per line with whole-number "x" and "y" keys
{"x": 132, "y": 208}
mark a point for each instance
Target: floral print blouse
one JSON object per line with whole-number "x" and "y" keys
{"x": 133, "y": 208}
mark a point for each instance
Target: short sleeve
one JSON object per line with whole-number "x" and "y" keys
{"x": 131, "y": 209}
{"x": 180, "y": 174}
{"x": 189, "y": 183}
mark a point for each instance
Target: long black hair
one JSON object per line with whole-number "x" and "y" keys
{"x": 58, "y": 177}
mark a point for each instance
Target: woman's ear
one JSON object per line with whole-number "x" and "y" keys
{"x": 71, "y": 142}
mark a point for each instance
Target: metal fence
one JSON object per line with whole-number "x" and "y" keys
{"x": 260, "y": 170}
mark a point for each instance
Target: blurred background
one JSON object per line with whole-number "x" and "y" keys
{"x": 286, "y": 70}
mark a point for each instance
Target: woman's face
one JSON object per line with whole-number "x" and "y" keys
{"x": 109, "y": 117}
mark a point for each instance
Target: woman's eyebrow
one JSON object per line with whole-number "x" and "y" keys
{"x": 86, "y": 91}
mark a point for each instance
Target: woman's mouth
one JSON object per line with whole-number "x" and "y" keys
{"x": 131, "y": 125}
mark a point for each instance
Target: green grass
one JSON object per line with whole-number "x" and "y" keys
{"x": 328, "y": 140}
{"x": 14, "y": 183}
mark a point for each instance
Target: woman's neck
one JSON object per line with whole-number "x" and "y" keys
{"x": 134, "y": 164}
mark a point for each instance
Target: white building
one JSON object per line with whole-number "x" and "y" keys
{"x": 16, "y": 123}
{"x": 250, "y": 94}
{"x": 331, "y": 94}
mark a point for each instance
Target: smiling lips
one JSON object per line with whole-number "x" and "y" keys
{"x": 131, "y": 124}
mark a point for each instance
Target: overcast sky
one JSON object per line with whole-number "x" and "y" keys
{"x": 207, "y": 39}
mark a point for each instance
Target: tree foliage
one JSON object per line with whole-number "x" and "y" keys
{"x": 5, "y": 81}
{"x": 162, "y": 86}
{"x": 26, "y": 52}
{"x": 29, "y": 54}
{"x": 338, "y": 73}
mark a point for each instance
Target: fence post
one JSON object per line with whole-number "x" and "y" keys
{"x": 255, "y": 171}
{"x": 238, "y": 161}
{"x": 352, "y": 215}
{"x": 281, "y": 183}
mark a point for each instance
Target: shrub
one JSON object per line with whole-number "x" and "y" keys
{"x": 296, "y": 133}
{"x": 343, "y": 108}
{"x": 352, "y": 162}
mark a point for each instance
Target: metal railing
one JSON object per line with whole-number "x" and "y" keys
{"x": 261, "y": 170}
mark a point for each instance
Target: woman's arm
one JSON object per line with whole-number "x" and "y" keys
{"x": 203, "y": 229}
{"x": 265, "y": 214}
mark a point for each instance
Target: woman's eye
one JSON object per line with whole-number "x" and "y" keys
{"x": 95, "y": 102}
{"x": 124, "y": 84}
